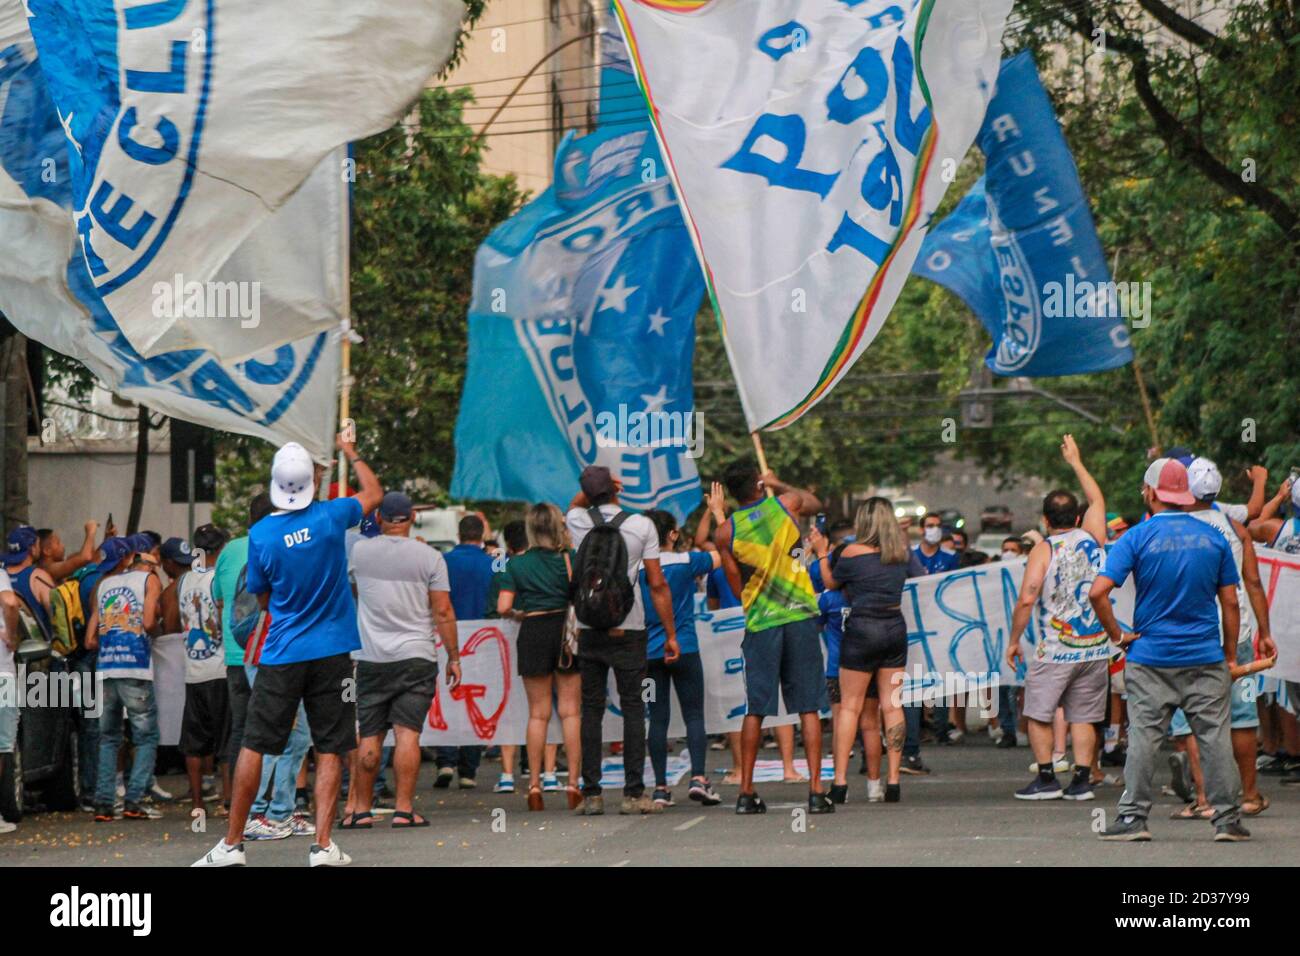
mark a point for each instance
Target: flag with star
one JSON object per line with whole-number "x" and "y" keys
{"x": 581, "y": 336}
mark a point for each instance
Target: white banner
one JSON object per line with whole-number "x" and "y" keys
{"x": 958, "y": 624}
{"x": 190, "y": 123}
{"x": 810, "y": 142}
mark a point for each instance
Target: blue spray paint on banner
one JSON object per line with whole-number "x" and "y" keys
{"x": 1021, "y": 248}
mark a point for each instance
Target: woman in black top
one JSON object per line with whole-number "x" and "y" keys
{"x": 872, "y": 571}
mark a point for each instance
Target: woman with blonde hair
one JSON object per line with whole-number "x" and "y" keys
{"x": 872, "y": 571}
{"x": 535, "y": 592}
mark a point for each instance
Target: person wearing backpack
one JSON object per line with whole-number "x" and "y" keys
{"x": 613, "y": 547}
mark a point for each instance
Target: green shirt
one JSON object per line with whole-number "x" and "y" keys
{"x": 230, "y": 562}
{"x": 538, "y": 579}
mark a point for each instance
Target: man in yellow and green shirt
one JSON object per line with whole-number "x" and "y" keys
{"x": 762, "y": 554}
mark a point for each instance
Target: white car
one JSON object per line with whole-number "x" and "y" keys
{"x": 905, "y": 506}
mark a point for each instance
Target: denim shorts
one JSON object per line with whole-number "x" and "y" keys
{"x": 785, "y": 661}
{"x": 8, "y": 724}
{"x": 1245, "y": 709}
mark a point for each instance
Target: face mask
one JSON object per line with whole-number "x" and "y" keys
{"x": 932, "y": 534}
{"x": 1009, "y": 555}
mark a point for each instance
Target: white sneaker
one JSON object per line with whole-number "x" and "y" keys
{"x": 332, "y": 855}
{"x": 222, "y": 855}
{"x": 261, "y": 828}
{"x": 955, "y": 736}
{"x": 996, "y": 732}
{"x": 157, "y": 793}
{"x": 875, "y": 791}
{"x": 1059, "y": 765}
{"x": 7, "y": 827}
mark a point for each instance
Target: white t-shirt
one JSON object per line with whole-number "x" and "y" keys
{"x": 393, "y": 576}
{"x": 642, "y": 541}
{"x": 1218, "y": 518}
{"x": 205, "y": 654}
{"x": 6, "y": 655}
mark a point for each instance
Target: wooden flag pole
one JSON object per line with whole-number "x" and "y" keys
{"x": 345, "y": 342}
{"x": 1141, "y": 382}
{"x": 762, "y": 458}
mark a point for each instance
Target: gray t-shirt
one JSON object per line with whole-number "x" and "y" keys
{"x": 642, "y": 542}
{"x": 393, "y": 576}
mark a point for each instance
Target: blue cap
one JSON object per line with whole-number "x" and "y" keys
{"x": 370, "y": 525}
{"x": 19, "y": 544}
{"x": 396, "y": 506}
{"x": 139, "y": 542}
{"x": 114, "y": 550}
{"x": 178, "y": 550}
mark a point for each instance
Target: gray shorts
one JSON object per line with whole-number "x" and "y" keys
{"x": 1080, "y": 688}
{"x": 785, "y": 661}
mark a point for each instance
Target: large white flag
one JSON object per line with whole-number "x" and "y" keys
{"x": 293, "y": 261}
{"x": 192, "y": 121}
{"x": 810, "y": 141}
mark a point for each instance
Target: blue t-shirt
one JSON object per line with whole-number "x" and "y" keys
{"x": 469, "y": 568}
{"x": 832, "y": 606}
{"x": 300, "y": 557}
{"x": 938, "y": 562}
{"x": 718, "y": 588}
{"x": 1178, "y": 564}
{"x": 680, "y": 571}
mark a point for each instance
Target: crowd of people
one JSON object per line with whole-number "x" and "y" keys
{"x": 317, "y": 632}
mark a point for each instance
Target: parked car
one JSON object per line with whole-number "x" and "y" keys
{"x": 995, "y": 517}
{"x": 42, "y": 770}
{"x": 905, "y": 506}
{"x": 953, "y": 520}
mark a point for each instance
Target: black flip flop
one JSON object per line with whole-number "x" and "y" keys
{"x": 350, "y": 821}
{"x": 410, "y": 819}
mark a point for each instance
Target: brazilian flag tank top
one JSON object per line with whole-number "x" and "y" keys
{"x": 766, "y": 543}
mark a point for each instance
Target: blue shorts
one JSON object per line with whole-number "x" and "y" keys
{"x": 785, "y": 661}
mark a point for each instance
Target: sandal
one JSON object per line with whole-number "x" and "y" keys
{"x": 1193, "y": 812}
{"x": 1260, "y": 806}
{"x": 352, "y": 821}
{"x": 575, "y": 797}
{"x": 412, "y": 820}
{"x": 535, "y": 801}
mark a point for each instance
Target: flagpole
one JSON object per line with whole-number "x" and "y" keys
{"x": 1141, "y": 382}
{"x": 762, "y": 458}
{"x": 345, "y": 339}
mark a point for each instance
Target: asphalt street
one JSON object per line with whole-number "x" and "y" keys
{"x": 961, "y": 815}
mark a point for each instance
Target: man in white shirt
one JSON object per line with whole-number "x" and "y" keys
{"x": 403, "y": 597}
{"x": 621, "y": 647}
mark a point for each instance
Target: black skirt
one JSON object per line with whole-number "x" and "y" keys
{"x": 539, "y": 648}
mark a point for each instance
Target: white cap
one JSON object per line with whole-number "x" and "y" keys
{"x": 1203, "y": 479}
{"x": 293, "y": 478}
{"x": 1295, "y": 493}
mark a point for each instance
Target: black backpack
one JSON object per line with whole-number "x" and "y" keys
{"x": 602, "y": 593}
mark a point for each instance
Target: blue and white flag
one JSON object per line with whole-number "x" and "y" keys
{"x": 581, "y": 336}
{"x": 1022, "y": 251}
{"x": 807, "y": 139}
{"x": 283, "y": 393}
{"x": 192, "y": 121}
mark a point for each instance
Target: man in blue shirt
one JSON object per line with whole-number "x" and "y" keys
{"x": 470, "y": 570}
{"x": 1179, "y": 565}
{"x": 297, "y": 567}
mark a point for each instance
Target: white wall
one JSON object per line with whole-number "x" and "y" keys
{"x": 67, "y": 487}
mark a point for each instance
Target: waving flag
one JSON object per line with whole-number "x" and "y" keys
{"x": 191, "y": 121}
{"x": 1021, "y": 249}
{"x": 581, "y": 336}
{"x": 282, "y": 393}
{"x": 808, "y": 140}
